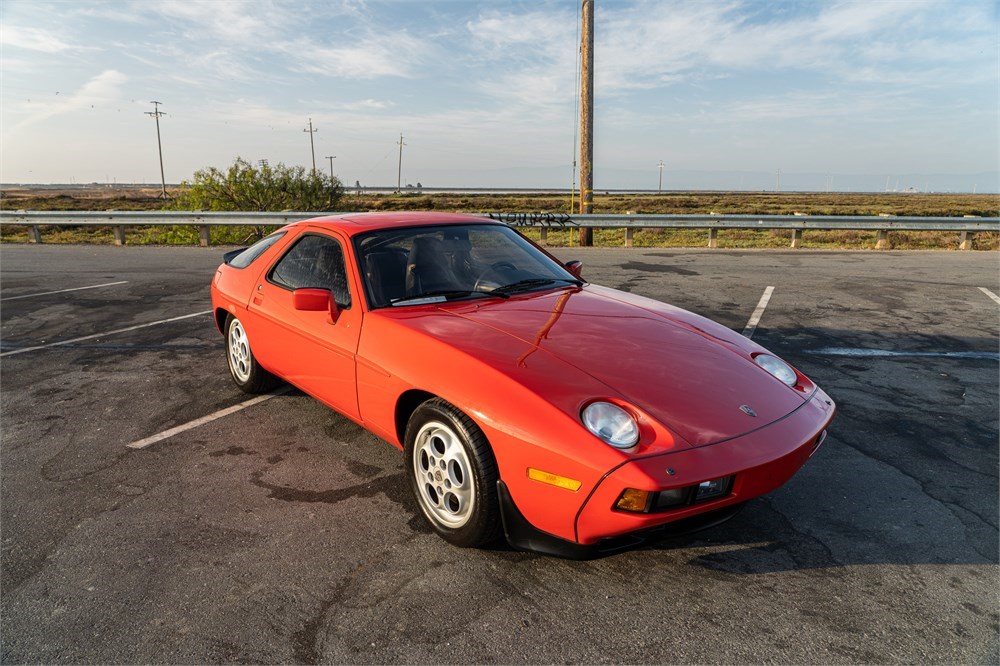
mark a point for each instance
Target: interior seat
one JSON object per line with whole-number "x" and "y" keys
{"x": 428, "y": 268}
{"x": 386, "y": 274}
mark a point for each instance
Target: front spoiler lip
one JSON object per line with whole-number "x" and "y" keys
{"x": 524, "y": 536}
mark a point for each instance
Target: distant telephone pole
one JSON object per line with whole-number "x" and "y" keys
{"x": 312, "y": 147}
{"x": 331, "y": 158}
{"x": 156, "y": 113}
{"x": 659, "y": 188}
{"x": 587, "y": 117}
{"x": 399, "y": 173}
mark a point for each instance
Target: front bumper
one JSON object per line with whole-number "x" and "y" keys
{"x": 523, "y": 535}
{"x": 759, "y": 461}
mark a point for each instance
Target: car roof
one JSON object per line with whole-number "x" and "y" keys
{"x": 356, "y": 223}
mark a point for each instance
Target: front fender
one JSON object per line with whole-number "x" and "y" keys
{"x": 498, "y": 382}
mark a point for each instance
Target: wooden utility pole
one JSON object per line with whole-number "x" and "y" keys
{"x": 587, "y": 118}
{"x": 312, "y": 146}
{"x": 399, "y": 171}
{"x": 156, "y": 113}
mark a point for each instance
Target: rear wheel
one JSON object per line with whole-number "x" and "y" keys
{"x": 453, "y": 474}
{"x": 246, "y": 372}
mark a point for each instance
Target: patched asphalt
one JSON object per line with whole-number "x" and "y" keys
{"x": 286, "y": 533}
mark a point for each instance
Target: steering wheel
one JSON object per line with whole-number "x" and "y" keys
{"x": 483, "y": 284}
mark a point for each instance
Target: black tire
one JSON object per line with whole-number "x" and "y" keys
{"x": 453, "y": 474}
{"x": 243, "y": 366}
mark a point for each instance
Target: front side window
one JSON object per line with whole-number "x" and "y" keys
{"x": 314, "y": 262}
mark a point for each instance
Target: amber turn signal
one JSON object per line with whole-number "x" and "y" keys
{"x": 554, "y": 479}
{"x": 633, "y": 500}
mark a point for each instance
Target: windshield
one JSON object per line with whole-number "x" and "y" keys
{"x": 432, "y": 264}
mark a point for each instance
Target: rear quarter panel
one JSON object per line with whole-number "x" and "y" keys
{"x": 232, "y": 287}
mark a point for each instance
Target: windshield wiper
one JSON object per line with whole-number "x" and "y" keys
{"x": 522, "y": 285}
{"x": 443, "y": 294}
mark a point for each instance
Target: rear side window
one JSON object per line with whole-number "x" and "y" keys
{"x": 247, "y": 256}
{"x": 314, "y": 262}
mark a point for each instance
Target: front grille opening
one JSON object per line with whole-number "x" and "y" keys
{"x": 643, "y": 501}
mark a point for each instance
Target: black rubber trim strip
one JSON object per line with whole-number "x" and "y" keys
{"x": 524, "y": 536}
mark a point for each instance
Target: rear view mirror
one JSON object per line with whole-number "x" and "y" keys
{"x": 575, "y": 267}
{"x": 316, "y": 300}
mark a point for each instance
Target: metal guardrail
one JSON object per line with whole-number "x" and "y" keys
{"x": 119, "y": 220}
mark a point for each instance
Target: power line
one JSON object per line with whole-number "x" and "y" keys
{"x": 156, "y": 113}
{"x": 331, "y": 158}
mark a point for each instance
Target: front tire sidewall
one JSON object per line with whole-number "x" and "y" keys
{"x": 481, "y": 524}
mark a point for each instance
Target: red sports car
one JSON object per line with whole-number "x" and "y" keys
{"x": 527, "y": 402}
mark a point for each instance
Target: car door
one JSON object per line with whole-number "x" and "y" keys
{"x": 308, "y": 348}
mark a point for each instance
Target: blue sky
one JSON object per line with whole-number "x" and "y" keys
{"x": 833, "y": 95}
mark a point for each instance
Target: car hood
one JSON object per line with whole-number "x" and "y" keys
{"x": 690, "y": 374}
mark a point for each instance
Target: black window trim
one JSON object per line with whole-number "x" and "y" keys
{"x": 277, "y": 235}
{"x": 302, "y": 236}
{"x": 357, "y": 239}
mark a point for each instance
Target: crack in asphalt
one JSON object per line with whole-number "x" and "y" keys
{"x": 925, "y": 489}
{"x": 306, "y": 642}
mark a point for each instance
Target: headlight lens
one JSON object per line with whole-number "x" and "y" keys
{"x": 612, "y": 424}
{"x": 781, "y": 370}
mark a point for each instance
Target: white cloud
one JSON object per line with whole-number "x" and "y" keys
{"x": 532, "y": 34}
{"x": 226, "y": 20}
{"x": 489, "y": 82}
{"x": 99, "y": 90}
{"x": 648, "y": 45}
{"x": 531, "y": 57}
{"x": 396, "y": 54}
{"x": 33, "y": 39}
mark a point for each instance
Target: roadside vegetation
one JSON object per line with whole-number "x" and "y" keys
{"x": 259, "y": 188}
{"x": 238, "y": 188}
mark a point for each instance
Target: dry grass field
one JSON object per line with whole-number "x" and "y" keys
{"x": 749, "y": 203}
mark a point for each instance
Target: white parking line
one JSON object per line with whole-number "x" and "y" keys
{"x": 101, "y": 335}
{"x": 166, "y": 434}
{"x": 858, "y": 352}
{"x": 62, "y": 291}
{"x": 758, "y": 313}
{"x": 990, "y": 294}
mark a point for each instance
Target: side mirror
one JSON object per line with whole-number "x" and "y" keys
{"x": 316, "y": 300}
{"x": 575, "y": 267}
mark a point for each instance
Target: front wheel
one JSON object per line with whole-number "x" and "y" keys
{"x": 453, "y": 474}
{"x": 246, "y": 372}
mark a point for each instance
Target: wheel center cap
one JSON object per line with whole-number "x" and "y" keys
{"x": 437, "y": 475}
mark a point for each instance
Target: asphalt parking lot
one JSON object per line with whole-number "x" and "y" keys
{"x": 285, "y": 533}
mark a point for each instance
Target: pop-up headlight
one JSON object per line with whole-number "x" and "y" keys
{"x": 777, "y": 368}
{"x": 611, "y": 423}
